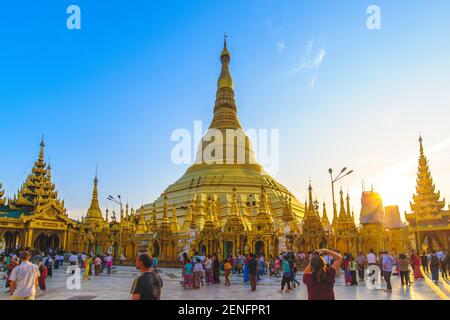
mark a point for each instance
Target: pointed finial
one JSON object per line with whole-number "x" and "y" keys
{"x": 41, "y": 151}
{"x": 421, "y": 143}
{"x": 225, "y": 39}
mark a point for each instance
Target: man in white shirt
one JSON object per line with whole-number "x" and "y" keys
{"x": 372, "y": 261}
{"x": 24, "y": 279}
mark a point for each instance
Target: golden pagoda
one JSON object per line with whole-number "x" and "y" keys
{"x": 429, "y": 222}
{"x": 35, "y": 217}
{"x": 345, "y": 233}
{"x": 227, "y": 189}
{"x": 313, "y": 234}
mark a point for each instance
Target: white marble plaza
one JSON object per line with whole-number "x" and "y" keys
{"x": 116, "y": 286}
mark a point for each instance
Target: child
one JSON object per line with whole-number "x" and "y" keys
{"x": 187, "y": 274}
{"x": 227, "y": 269}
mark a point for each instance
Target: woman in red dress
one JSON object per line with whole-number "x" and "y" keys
{"x": 42, "y": 276}
{"x": 415, "y": 262}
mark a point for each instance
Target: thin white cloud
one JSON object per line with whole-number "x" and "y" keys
{"x": 319, "y": 58}
{"x": 314, "y": 80}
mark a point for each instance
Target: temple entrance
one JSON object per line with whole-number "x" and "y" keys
{"x": 228, "y": 249}
{"x": 259, "y": 248}
{"x": 45, "y": 242}
{"x": 11, "y": 240}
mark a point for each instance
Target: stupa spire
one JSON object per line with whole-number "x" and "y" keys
{"x": 94, "y": 209}
{"x": 426, "y": 200}
{"x": 41, "y": 150}
{"x": 342, "y": 213}
{"x": 225, "y": 110}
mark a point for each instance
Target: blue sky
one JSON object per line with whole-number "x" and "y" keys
{"x": 113, "y": 92}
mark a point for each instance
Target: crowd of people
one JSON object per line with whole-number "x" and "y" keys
{"x": 46, "y": 262}
{"x": 320, "y": 269}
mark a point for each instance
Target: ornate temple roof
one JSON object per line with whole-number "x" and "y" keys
{"x": 427, "y": 206}
{"x": 38, "y": 191}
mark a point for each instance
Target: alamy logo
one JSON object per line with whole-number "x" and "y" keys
{"x": 73, "y": 282}
{"x": 373, "y": 281}
{"x": 374, "y": 19}
{"x": 228, "y": 146}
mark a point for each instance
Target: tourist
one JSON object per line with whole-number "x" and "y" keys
{"x": 11, "y": 263}
{"x": 252, "y": 271}
{"x": 24, "y": 279}
{"x": 403, "y": 265}
{"x": 434, "y": 266}
{"x": 155, "y": 263}
{"x": 48, "y": 263}
{"x": 424, "y": 261}
{"x": 442, "y": 259}
{"x": 262, "y": 266}
{"x": 246, "y": 277}
{"x": 208, "y": 271}
{"x": 227, "y": 270}
{"x": 97, "y": 265}
{"x": 346, "y": 269}
{"x": 149, "y": 284}
{"x": 271, "y": 266}
{"x": 108, "y": 263}
{"x": 61, "y": 258}
{"x": 387, "y": 263}
{"x": 277, "y": 267}
{"x": 187, "y": 274}
{"x": 36, "y": 257}
{"x": 232, "y": 261}
{"x": 372, "y": 260}
{"x": 216, "y": 269}
{"x": 42, "y": 276}
{"x": 318, "y": 278}
{"x": 123, "y": 259}
{"x": 56, "y": 261}
{"x": 88, "y": 267}
{"x": 361, "y": 263}
{"x": 286, "y": 275}
{"x": 416, "y": 263}
{"x": 352, "y": 267}
{"x": 198, "y": 271}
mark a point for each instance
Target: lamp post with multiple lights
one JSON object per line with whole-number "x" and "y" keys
{"x": 341, "y": 175}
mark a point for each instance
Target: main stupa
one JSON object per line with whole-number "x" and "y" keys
{"x": 212, "y": 193}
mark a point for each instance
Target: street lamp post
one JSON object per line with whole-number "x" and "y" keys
{"x": 341, "y": 175}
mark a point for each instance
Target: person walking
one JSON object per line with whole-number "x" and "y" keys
{"x": 108, "y": 263}
{"x": 443, "y": 262}
{"x": 56, "y": 266}
{"x": 97, "y": 265}
{"x": 48, "y": 263}
{"x": 198, "y": 271}
{"x": 319, "y": 279}
{"x": 227, "y": 270}
{"x": 286, "y": 280}
{"x": 352, "y": 267}
{"x": 372, "y": 260}
{"x": 208, "y": 271}
{"x": 155, "y": 263}
{"x": 246, "y": 276}
{"x": 403, "y": 265}
{"x": 416, "y": 263}
{"x": 187, "y": 274}
{"x": 216, "y": 269}
{"x": 424, "y": 261}
{"x": 24, "y": 279}
{"x": 387, "y": 263}
{"x": 42, "y": 276}
{"x": 149, "y": 284}
{"x": 361, "y": 262}
{"x": 434, "y": 266}
{"x": 252, "y": 271}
